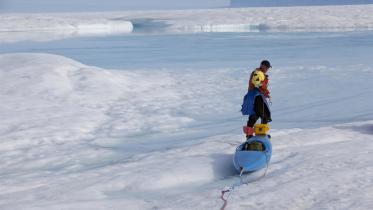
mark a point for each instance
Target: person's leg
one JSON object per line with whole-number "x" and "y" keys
{"x": 252, "y": 120}
{"x": 261, "y": 109}
{"x": 249, "y": 129}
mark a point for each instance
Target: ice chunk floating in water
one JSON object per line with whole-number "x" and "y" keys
{"x": 46, "y": 27}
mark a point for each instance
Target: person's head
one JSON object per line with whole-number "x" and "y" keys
{"x": 265, "y": 65}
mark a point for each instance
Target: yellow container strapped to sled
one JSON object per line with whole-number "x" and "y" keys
{"x": 261, "y": 129}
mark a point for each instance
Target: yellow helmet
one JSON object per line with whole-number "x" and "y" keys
{"x": 258, "y": 78}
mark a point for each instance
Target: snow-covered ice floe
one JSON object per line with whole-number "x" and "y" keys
{"x": 47, "y": 27}
{"x": 64, "y": 145}
{"x": 289, "y": 19}
{"x": 38, "y": 27}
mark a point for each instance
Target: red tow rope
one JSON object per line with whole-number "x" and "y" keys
{"x": 224, "y": 200}
{"x": 235, "y": 185}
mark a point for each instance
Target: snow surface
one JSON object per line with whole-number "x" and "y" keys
{"x": 80, "y": 137}
{"x": 41, "y": 27}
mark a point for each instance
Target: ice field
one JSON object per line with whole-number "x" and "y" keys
{"x": 101, "y": 117}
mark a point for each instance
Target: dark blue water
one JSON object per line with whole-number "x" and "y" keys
{"x": 122, "y": 5}
{"x": 107, "y": 5}
{"x": 279, "y": 3}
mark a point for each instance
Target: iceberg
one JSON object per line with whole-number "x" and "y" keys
{"x": 46, "y": 27}
{"x": 39, "y": 27}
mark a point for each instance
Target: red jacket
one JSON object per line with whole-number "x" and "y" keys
{"x": 264, "y": 87}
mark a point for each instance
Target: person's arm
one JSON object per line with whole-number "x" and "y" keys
{"x": 264, "y": 88}
{"x": 251, "y": 85}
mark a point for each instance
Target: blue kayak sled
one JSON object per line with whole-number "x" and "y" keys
{"x": 246, "y": 160}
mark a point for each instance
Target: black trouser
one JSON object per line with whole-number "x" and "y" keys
{"x": 261, "y": 110}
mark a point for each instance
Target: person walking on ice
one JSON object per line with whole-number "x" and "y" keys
{"x": 255, "y": 103}
{"x": 255, "y": 153}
